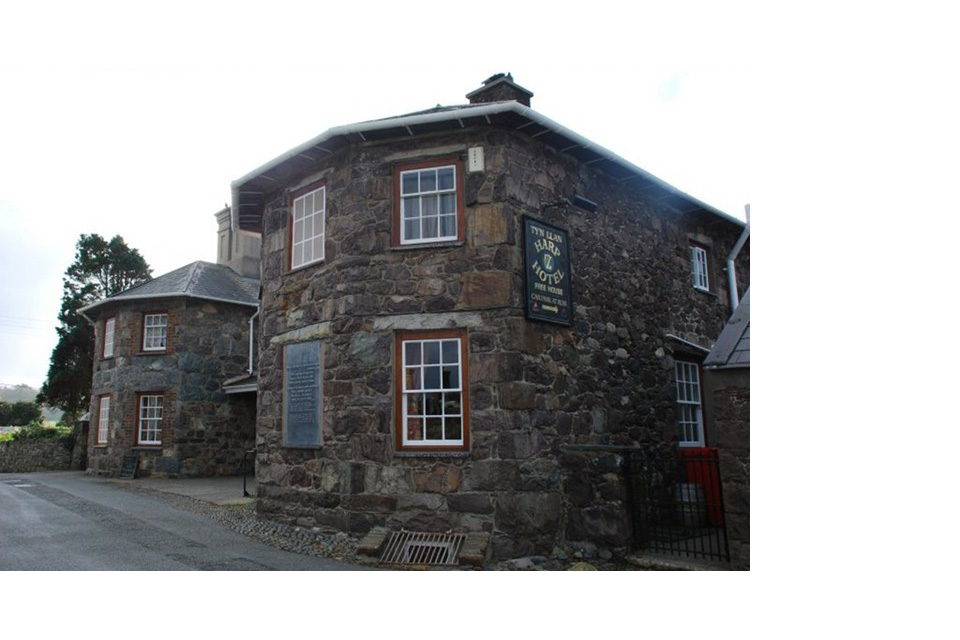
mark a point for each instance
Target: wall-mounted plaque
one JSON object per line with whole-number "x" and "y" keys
{"x": 303, "y": 394}
{"x": 546, "y": 251}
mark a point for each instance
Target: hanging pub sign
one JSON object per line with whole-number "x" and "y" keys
{"x": 546, "y": 251}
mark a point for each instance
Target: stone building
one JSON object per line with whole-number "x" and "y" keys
{"x": 172, "y": 359}
{"x": 726, "y": 387}
{"x": 468, "y": 314}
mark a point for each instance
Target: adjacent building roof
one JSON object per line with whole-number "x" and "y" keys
{"x": 250, "y": 191}
{"x": 732, "y": 349}
{"x": 199, "y": 279}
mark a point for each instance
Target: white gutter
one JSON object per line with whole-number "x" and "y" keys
{"x": 459, "y": 114}
{"x": 731, "y": 270}
{"x": 158, "y": 296}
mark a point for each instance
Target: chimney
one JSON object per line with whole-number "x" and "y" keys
{"x": 238, "y": 250}
{"x": 500, "y": 87}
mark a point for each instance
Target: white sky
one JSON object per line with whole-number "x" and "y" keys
{"x": 837, "y": 121}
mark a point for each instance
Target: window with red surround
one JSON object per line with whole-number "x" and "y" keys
{"x": 428, "y": 204}
{"x": 432, "y": 405}
{"x": 149, "y": 419}
{"x": 154, "y": 332}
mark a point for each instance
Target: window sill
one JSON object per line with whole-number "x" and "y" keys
{"x": 431, "y": 454}
{"x": 304, "y": 267}
{"x": 429, "y": 245}
{"x": 706, "y": 292}
{"x": 147, "y": 447}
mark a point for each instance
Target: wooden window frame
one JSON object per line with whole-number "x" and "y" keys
{"x": 689, "y": 409}
{"x": 110, "y": 332}
{"x": 398, "y": 170}
{"x": 301, "y": 194}
{"x": 103, "y": 426}
{"x": 143, "y": 332}
{"x": 696, "y": 250}
{"x": 404, "y": 337}
{"x": 140, "y": 442}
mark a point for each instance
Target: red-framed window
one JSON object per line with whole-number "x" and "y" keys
{"x": 428, "y": 202}
{"x": 149, "y": 419}
{"x": 432, "y": 399}
{"x": 154, "y": 332}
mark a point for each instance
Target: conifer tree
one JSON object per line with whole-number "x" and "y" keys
{"x": 100, "y": 269}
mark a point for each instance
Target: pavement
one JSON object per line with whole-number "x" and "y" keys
{"x": 222, "y": 490}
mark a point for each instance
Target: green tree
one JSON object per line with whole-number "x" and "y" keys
{"x": 99, "y": 269}
{"x": 18, "y": 414}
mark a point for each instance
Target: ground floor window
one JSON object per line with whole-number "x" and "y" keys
{"x": 103, "y": 420}
{"x": 689, "y": 411}
{"x": 150, "y": 419}
{"x": 432, "y": 391}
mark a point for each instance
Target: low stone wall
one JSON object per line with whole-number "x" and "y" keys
{"x": 41, "y": 454}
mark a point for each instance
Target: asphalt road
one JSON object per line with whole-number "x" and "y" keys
{"x": 64, "y": 522}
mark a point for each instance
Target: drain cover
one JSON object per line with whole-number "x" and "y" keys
{"x": 413, "y": 547}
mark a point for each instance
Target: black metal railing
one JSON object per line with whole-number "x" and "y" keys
{"x": 677, "y": 502}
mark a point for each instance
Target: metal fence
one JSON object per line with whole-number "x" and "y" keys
{"x": 677, "y": 502}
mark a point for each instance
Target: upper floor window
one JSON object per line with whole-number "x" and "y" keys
{"x": 690, "y": 414}
{"x": 308, "y": 228}
{"x": 155, "y": 332}
{"x": 698, "y": 260}
{"x": 429, "y": 202}
{"x": 109, "y": 328}
{"x": 432, "y": 391}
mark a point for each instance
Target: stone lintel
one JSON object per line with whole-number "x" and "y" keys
{"x": 414, "y": 321}
{"x": 311, "y": 332}
{"x": 430, "y": 152}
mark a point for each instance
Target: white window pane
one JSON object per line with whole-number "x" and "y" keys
{"x": 448, "y": 203}
{"x": 430, "y": 206}
{"x": 298, "y": 230}
{"x": 445, "y": 178}
{"x": 430, "y": 227}
{"x": 450, "y": 352}
{"x": 428, "y": 180}
{"x": 411, "y": 182}
{"x": 411, "y": 208}
{"x": 411, "y": 230}
{"x": 448, "y": 226}
{"x": 318, "y": 248}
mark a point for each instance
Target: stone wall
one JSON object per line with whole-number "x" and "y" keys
{"x": 36, "y": 454}
{"x": 728, "y": 395}
{"x": 534, "y": 387}
{"x": 205, "y": 431}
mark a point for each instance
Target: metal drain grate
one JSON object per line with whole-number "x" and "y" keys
{"x": 412, "y": 547}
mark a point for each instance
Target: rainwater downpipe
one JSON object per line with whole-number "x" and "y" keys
{"x": 250, "y": 365}
{"x": 731, "y": 269}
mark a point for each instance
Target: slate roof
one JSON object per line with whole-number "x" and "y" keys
{"x": 250, "y": 192}
{"x": 199, "y": 279}
{"x": 732, "y": 349}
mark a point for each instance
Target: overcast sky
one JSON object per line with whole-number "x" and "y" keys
{"x": 117, "y": 120}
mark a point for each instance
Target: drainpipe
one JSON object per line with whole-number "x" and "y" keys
{"x": 731, "y": 270}
{"x": 250, "y": 366}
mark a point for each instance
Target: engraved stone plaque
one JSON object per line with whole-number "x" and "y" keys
{"x": 303, "y": 394}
